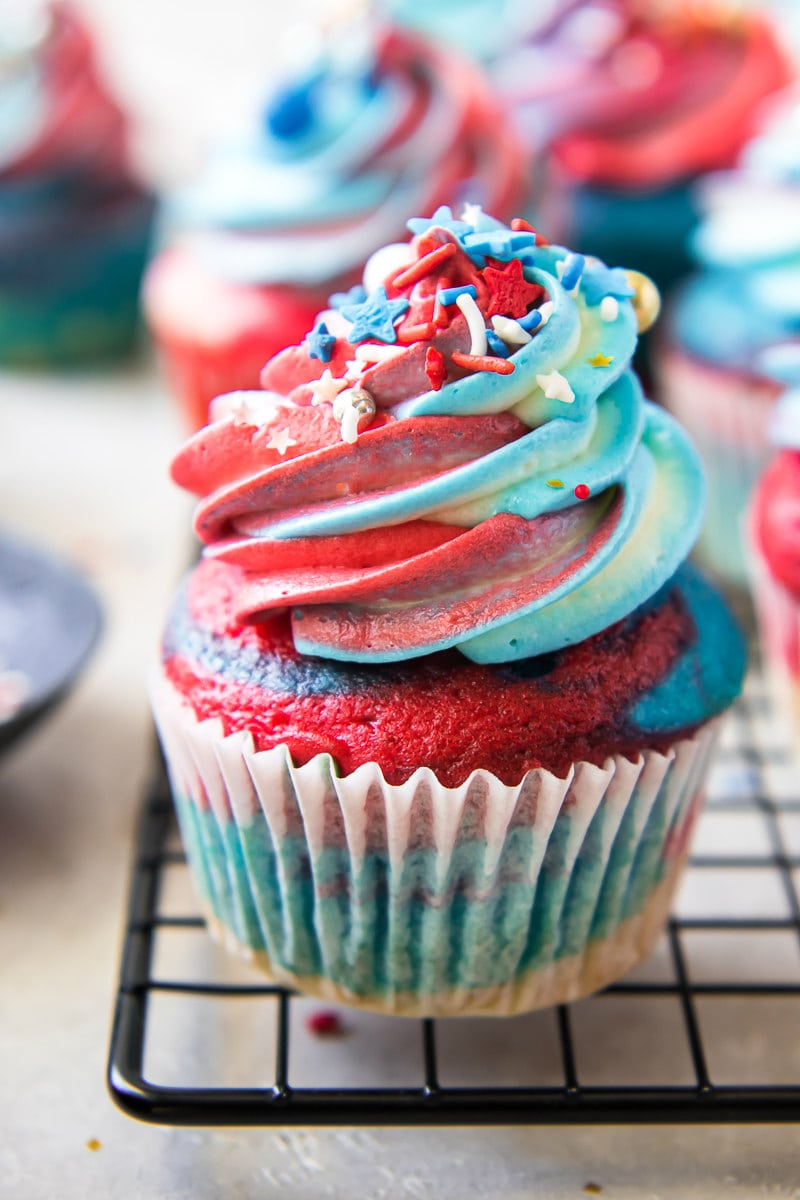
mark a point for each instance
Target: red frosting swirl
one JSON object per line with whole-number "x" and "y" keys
{"x": 676, "y": 97}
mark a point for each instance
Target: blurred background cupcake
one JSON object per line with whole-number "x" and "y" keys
{"x": 623, "y": 105}
{"x": 74, "y": 222}
{"x": 774, "y": 540}
{"x": 725, "y": 322}
{"x": 379, "y": 124}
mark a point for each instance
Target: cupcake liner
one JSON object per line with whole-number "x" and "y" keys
{"x": 726, "y": 414}
{"x": 418, "y": 899}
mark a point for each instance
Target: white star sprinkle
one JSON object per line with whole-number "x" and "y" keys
{"x": 556, "y": 387}
{"x": 326, "y": 388}
{"x": 280, "y": 441}
{"x": 471, "y": 214}
{"x": 354, "y": 369}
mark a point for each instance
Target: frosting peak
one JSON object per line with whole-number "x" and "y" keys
{"x": 459, "y": 455}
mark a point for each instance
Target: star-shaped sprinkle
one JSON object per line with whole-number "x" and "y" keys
{"x": 356, "y": 295}
{"x": 326, "y": 388}
{"x": 556, "y": 387}
{"x": 320, "y": 343}
{"x": 601, "y": 360}
{"x": 599, "y": 280}
{"x": 499, "y": 243}
{"x": 375, "y": 317}
{"x": 280, "y": 441}
{"x": 510, "y": 293}
{"x": 471, "y": 214}
{"x": 443, "y": 218}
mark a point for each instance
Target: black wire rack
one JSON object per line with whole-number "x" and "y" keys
{"x": 722, "y": 998}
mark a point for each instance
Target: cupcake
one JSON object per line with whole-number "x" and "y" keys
{"x": 725, "y": 321}
{"x": 625, "y": 104}
{"x": 774, "y": 528}
{"x": 438, "y": 699}
{"x": 74, "y": 222}
{"x": 381, "y": 124}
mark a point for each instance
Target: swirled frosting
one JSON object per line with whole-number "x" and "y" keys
{"x": 57, "y": 120}
{"x": 746, "y": 299}
{"x": 380, "y": 125}
{"x": 459, "y": 455}
{"x": 641, "y": 94}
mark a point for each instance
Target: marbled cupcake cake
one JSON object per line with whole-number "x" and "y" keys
{"x": 438, "y": 700}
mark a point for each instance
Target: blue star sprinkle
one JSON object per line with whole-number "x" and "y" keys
{"x": 356, "y": 295}
{"x": 599, "y": 281}
{"x": 320, "y": 343}
{"x": 443, "y": 219}
{"x": 375, "y": 317}
{"x": 503, "y": 244}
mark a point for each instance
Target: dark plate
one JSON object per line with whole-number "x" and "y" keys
{"x": 49, "y": 622}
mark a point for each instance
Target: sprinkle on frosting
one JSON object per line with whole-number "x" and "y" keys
{"x": 374, "y": 317}
{"x": 556, "y": 387}
{"x": 510, "y": 293}
{"x": 281, "y": 440}
{"x": 424, "y": 505}
{"x": 474, "y": 318}
{"x": 609, "y": 308}
{"x": 320, "y": 342}
{"x": 435, "y": 367}
{"x": 483, "y": 362}
{"x": 326, "y": 388}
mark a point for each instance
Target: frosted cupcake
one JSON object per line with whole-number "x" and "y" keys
{"x": 725, "y": 322}
{"x": 381, "y": 124}
{"x": 624, "y": 105}
{"x": 774, "y": 529}
{"x": 74, "y": 222}
{"x": 438, "y": 701}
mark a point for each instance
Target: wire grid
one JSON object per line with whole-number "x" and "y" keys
{"x": 754, "y": 784}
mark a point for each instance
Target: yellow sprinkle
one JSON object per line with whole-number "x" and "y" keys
{"x": 593, "y": 1189}
{"x": 94, "y": 1144}
{"x": 556, "y": 483}
{"x": 601, "y": 360}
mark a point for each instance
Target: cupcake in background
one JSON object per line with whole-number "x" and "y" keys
{"x": 380, "y": 124}
{"x": 624, "y": 104}
{"x": 438, "y": 701}
{"x": 774, "y": 536}
{"x": 74, "y": 222}
{"x": 713, "y": 363}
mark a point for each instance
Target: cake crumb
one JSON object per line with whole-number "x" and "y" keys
{"x": 94, "y": 1144}
{"x": 592, "y": 1189}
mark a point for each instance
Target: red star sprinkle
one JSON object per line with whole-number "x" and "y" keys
{"x": 435, "y": 367}
{"x": 510, "y": 294}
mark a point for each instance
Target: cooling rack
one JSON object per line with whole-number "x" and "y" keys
{"x": 707, "y": 1031}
